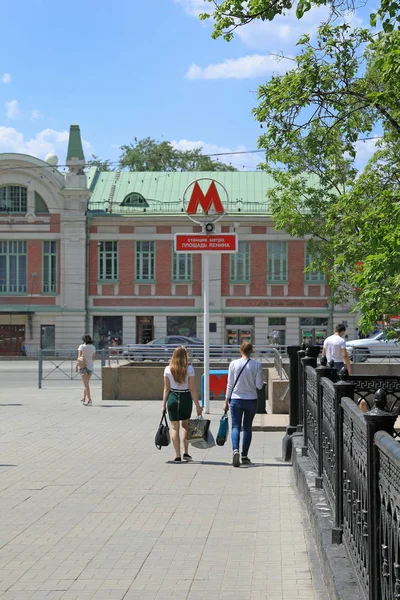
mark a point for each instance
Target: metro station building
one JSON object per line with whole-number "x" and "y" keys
{"x": 92, "y": 251}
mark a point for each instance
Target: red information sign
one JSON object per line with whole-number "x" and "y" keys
{"x": 199, "y": 242}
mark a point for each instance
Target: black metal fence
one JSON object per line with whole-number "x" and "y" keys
{"x": 347, "y": 423}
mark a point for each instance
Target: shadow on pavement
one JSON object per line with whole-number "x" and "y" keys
{"x": 114, "y": 406}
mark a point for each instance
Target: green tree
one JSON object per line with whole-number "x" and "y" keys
{"x": 102, "y": 165}
{"x": 149, "y": 155}
{"x": 341, "y": 88}
{"x": 228, "y": 15}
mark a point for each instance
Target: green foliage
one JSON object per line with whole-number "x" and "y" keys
{"x": 150, "y": 155}
{"x": 102, "y": 165}
{"x": 228, "y": 15}
{"x": 340, "y": 89}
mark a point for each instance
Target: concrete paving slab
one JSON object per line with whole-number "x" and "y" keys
{"x": 90, "y": 509}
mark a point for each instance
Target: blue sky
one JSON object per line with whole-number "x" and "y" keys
{"x": 130, "y": 69}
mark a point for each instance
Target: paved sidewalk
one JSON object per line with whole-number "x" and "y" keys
{"x": 90, "y": 509}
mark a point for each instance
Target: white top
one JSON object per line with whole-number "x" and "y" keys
{"x": 334, "y": 345}
{"x": 88, "y": 350}
{"x": 249, "y": 381}
{"x": 174, "y": 384}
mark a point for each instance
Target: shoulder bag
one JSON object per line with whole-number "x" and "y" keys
{"x": 237, "y": 378}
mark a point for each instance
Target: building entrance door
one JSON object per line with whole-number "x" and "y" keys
{"x": 313, "y": 331}
{"x": 144, "y": 330}
{"x": 237, "y": 335}
{"x": 11, "y": 338}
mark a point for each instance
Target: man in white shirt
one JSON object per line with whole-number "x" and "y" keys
{"x": 335, "y": 348}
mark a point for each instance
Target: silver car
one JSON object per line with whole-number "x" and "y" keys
{"x": 378, "y": 346}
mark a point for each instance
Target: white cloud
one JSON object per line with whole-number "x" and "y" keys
{"x": 284, "y": 30}
{"x": 5, "y": 78}
{"x": 36, "y": 114}
{"x": 12, "y": 109}
{"x": 195, "y": 7}
{"x": 45, "y": 142}
{"x": 246, "y": 67}
{"x": 365, "y": 150}
{"x": 243, "y": 162}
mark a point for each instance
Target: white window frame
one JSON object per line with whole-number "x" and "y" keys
{"x": 13, "y": 199}
{"x": 14, "y": 252}
{"x": 49, "y": 284}
{"x": 145, "y": 260}
{"x": 182, "y": 267}
{"x": 277, "y": 262}
{"x": 108, "y": 261}
{"x": 239, "y": 264}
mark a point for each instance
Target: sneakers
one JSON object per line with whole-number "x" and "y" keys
{"x": 178, "y": 459}
{"x": 236, "y": 458}
{"x": 187, "y": 457}
{"x": 246, "y": 460}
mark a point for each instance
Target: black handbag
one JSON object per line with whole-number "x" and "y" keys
{"x": 162, "y": 436}
{"x": 198, "y": 429}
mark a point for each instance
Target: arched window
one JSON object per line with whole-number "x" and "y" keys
{"x": 134, "y": 199}
{"x": 40, "y": 204}
{"x": 13, "y": 199}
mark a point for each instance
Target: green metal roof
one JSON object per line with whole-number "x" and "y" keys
{"x": 75, "y": 149}
{"x": 163, "y": 191}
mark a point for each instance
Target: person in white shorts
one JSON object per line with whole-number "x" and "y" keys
{"x": 335, "y": 348}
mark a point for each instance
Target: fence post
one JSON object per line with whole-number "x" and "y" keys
{"x": 40, "y": 374}
{"x": 322, "y": 371}
{"x": 287, "y": 442}
{"x": 378, "y": 419}
{"x": 310, "y": 360}
{"x": 342, "y": 389}
{"x": 293, "y": 387}
{"x": 103, "y": 357}
{"x": 300, "y": 388}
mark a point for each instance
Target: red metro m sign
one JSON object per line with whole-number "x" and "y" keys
{"x": 202, "y": 200}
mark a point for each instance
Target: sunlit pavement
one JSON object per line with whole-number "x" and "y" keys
{"x": 90, "y": 509}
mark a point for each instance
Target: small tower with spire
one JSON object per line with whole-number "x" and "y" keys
{"x": 75, "y": 178}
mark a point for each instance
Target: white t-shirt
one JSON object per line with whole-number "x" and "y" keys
{"x": 333, "y": 347}
{"x": 88, "y": 350}
{"x": 174, "y": 384}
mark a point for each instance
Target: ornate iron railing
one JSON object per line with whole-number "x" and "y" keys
{"x": 328, "y": 428}
{"x": 355, "y": 501}
{"x": 311, "y": 414}
{"x": 356, "y": 456}
{"x": 389, "y": 525}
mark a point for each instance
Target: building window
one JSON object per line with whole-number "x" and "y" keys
{"x": 181, "y": 326}
{"x": 277, "y": 331}
{"x": 277, "y": 262}
{"x": 108, "y": 261}
{"x": 181, "y": 267}
{"x": 13, "y": 199}
{"x": 145, "y": 260}
{"x": 12, "y": 267}
{"x": 106, "y": 330}
{"x": 312, "y": 276}
{"x": 49, "y": 267}
{"x": 239, "y": 271}
{"x": 47, "y": 337}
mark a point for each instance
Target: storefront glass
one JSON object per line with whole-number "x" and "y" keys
{"x": 105, "y": 330}
{"x": 182, "y": 326}
{"x": 239, "y": 330}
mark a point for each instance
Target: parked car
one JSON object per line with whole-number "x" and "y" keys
{"x": 377, "y": 346}
{"x": 162, "y": 348}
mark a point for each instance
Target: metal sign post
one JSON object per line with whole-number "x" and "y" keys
{"x": 206, "y": 324}
{"x": 205, "y": 243}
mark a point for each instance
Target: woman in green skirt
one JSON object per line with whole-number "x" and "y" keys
{"x": 179, "y": 394}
